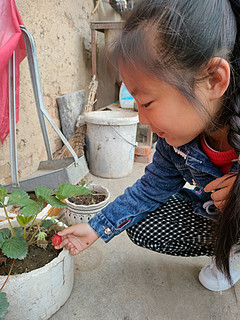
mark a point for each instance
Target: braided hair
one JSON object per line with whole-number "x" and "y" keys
{"x": 228, "y": 225}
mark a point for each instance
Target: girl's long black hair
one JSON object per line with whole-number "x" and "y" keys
{"x": 175, "y": 40}
{"x": 228, "y": 224}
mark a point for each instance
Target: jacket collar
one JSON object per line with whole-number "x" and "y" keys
{"x": 197, "y": 159}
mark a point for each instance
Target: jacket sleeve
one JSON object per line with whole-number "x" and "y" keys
{"x": 160, "y": 181}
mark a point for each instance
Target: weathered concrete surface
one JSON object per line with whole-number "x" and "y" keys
{"x": 120, "y": 281}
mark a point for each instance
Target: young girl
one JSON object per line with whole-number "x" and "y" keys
{"x": 180, "y": 60}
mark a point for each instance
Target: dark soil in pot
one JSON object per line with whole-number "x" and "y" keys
{"x": 37, "y": 257}
{"x": 88, "y": 199}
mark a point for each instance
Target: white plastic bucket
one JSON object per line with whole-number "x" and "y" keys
{"x": 111, "y": 139}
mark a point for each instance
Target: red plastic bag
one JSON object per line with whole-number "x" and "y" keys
{"x": 11, "y": 39}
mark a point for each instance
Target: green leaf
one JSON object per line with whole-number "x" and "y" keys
{"x": 18, "y": 232}
{"x": 41, "y": 235}
{"x": 17, "y": 197}
{"x": 3, "y": 305}
{"x": 43, "y": 192}
{"x": 31, "y": 208}
{"x": 3, "y": 194}
{"x": 23, "y": 221}
{"x": 5, "y": 232}
{"x": 53, "y": 219}
{"x": 1, "y": 240}
{"x": 48, "y": 195}
{"x": 68, "y": 190}
{"x": 83, "y": 183}
{"x": 15, "y": 248}
{"x": 54, "y": 202}
{"x": 47, "y": 224}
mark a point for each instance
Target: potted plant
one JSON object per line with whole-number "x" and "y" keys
{"x": 41, "y": 292}
{"x": 83, "y": 207}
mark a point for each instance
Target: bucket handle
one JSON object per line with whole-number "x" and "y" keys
{"x": 132, "y": 144}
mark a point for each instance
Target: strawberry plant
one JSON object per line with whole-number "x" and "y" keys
{"x": 15, "y": 241}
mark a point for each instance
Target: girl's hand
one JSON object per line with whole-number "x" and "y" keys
{"x": 77, "y": 238}
{"x": 220, "y": 189}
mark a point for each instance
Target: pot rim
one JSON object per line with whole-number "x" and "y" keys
{"x": 100, "y": 204}
{"x": 26, "y": 275}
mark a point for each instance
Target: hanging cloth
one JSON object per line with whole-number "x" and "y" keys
{"x": 11, "y": 39}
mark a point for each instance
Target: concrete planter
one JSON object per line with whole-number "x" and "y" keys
{"x": 40, "y": 293}
{"x": 83, "y": 213}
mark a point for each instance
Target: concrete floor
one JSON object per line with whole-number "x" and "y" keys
{"x": 120, "y": 281}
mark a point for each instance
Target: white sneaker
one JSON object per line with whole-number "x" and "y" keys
{"x": 213, "y": 279}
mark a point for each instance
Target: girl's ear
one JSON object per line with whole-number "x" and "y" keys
{"x": 218, "y": 71}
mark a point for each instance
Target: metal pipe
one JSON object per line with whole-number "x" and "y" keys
{"x": 12, "y": 121}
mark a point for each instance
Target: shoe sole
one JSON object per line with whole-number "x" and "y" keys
{"x": 215, "y": 289}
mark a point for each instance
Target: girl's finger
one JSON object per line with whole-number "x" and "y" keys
{"x": 221, "y": 182}
{"x": 62, "y": 244}
{"x": 212, "y": 185}
{"x": 69, "y": 245}
{"x": 227, "y": 181}
{"x": 220, "y": 204}
{"x": 220, "y": 195}
{"x": 73, "y": 251}
{"x": 66, "y": 231}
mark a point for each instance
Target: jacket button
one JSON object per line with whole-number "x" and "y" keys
{"x": 107, "y": 231}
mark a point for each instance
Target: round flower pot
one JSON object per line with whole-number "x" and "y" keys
{"x": 40, "y": 293}
{"x": 83, "y": 213}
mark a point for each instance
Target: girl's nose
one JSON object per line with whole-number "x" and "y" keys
{"x": 142, "y": 115}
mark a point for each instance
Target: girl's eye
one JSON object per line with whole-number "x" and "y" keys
{"x": 145, "y": 105}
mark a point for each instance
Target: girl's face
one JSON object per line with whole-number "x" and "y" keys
{"x": 164, "y": 108}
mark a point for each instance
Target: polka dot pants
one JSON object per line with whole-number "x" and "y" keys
{"x": 174, "y": 229}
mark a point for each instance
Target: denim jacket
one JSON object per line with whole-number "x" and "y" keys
{"x": 170, "y": 169}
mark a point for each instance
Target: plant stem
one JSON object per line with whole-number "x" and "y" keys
{"x": 9, "y": 222}
{"x": 30, "y": 228}
{"x": 35, "y": 233}
{"x": 32, "y": 237}
{"x": 50, "y": 211}
{"x": 8, "y": 274}
{"x": 39, "y": 230}
{"x": 24, "y": 231}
